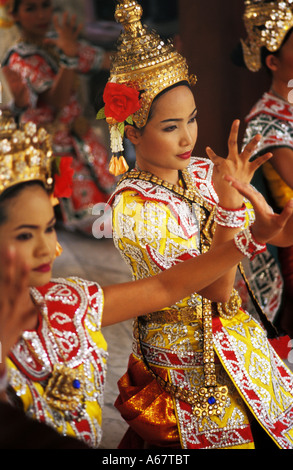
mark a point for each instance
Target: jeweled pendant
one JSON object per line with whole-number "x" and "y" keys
{"x": 210, "y": 401}
{"x": 65, "y": 389}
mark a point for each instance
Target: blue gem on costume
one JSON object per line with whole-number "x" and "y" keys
{"x": 76, "y": 383}
{"x": 211, "y": 400}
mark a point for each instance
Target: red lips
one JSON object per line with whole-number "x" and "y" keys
{"x": 185, "y": 155}
{"x": 44, "y": 268}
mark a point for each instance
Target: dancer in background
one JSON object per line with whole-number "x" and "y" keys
{"x": 49, "y": 66}
{"x": 269, "y": 44}
{"x": 174, "y": 207}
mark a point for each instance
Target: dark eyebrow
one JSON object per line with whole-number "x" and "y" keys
{"x": 176, "y": 120}
{"x": 34, "y": 227}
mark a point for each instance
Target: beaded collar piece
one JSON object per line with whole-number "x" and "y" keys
{"x": 188, "y": 192}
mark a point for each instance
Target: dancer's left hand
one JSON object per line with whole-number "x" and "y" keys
{"x": 68, "y": 31}
{"x": 237, "y": 165}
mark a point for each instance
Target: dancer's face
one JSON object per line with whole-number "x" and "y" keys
{"x": 34, "y": 17}
{"x": 29, "y": 226}
{"x": 165, "y": 145}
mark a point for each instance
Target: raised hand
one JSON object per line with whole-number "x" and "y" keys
{"x": 237, "y": 165}
{"x": 18, "y": 87}
{"x": 268, "y": 225}
{"x": 17, "y": 312}
{"x": 68, "y": 31}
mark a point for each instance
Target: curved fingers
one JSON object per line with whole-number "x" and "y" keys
{"x": 256, "y": 198}
{"x": 212, "y": 156}
{"x": 259, "y": 161}
{"x": 250, "y": 147}
{"x": 286, "y": 213}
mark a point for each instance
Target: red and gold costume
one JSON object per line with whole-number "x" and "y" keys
{"x": 154, "y": 228}
{"x": 267, "y": 25}
{"x": 72, "y": 135}
{"x": 272, "y": 117}
{"x": 58, "y": 370}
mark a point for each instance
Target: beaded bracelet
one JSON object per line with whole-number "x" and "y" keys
{"x": 3, "y": 381}
{"x": 246, "y": 243}
{"x": 229, "y": 217}
{"x": 68, "y": 62}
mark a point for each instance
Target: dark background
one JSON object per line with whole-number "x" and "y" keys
{"x": 210, "y": 32}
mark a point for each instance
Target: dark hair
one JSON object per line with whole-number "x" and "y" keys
{"x": 15, "y": 6}
{"x": 13, "y": 192}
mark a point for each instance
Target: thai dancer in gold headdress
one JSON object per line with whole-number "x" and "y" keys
{"x": 269, "y": 44}
{"x": 202, "y": 372}
{"x": 56, "y": 367}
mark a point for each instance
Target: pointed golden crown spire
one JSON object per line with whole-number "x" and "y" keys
{"x": 143, "y": 66}
{"x": 144, "y": 60}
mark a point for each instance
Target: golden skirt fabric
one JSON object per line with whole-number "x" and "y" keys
{"x": 146, "y": 408}
{"x": 259, "y": 389}
{"x": 155, "y": 418}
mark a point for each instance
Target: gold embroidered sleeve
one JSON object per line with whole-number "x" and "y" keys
{"x": 150, "y": 235}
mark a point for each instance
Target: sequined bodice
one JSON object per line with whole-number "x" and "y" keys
{"x": 272, "y": 118}
{"x": 68, "y": 333}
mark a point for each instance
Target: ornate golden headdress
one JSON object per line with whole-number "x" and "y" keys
{"x": 144, "y": 64}
{"x": 267, "y": 23}
{"x": 25, "y": 154}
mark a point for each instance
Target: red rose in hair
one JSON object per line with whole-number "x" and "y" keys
{"x": 63, "y": 179}
{"x": 120, "y": 101}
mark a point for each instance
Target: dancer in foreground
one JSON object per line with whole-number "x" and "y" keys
{"x": 171, "y": 208}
